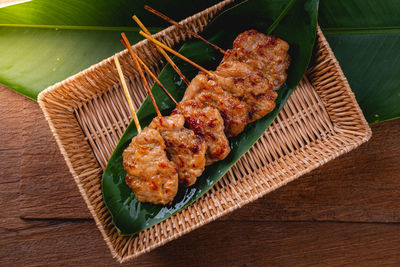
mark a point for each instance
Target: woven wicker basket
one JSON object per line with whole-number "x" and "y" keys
{"x": 88, "y": 113}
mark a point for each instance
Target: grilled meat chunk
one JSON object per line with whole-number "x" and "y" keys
{"x": 207, "y": 123}
{"x": 186, "y": 149}
{"x": 150, "y": 174}
{"x": 233, "y": 111}
{"x": 253, "y": 89}
{"x": 261, "y": 52}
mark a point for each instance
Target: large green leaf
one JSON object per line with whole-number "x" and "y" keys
{"x": 45, "y": 41}
{"x": 365, "y": 37}
{"x": 298, "y": 27}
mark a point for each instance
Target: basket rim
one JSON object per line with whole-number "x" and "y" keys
{"x": 58, "y": 86}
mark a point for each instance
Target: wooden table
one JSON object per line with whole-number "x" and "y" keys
{"x": 344, "y": 213}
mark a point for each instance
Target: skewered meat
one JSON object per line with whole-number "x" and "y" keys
{"x": 243, "y": 86}
{"x": 207, "y": 123}
{"x": 185, "y": 148}
{"x": 241, "y": 90}
{"x": 150, "y": 174}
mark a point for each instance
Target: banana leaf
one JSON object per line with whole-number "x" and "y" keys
{"x": 45, "y": 41}
{"x": 293, "y": 21}
{"x": 365, "y": 37}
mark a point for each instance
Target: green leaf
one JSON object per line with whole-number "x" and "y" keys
{"x": 46, "y": 41}
{"x": 29, "y": 65}
{"x": 365, "y": 37}
{"x": 298, "y": 27}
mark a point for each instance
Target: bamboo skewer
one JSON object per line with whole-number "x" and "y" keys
{"x": 135, "y": 18}
{"x": 151, "y": 73}
{"x": 139, "y": 62}
{"x": 128, "y": 96}
{"x": 141, "y": 74}
{"x": 149, "y": 37}
{"x": 166, "y": 18}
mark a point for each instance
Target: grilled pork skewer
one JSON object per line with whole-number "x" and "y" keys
{"x": 184, "y": 148}
{"x": 233, "y": 111}
{"x": 253, "y": 70}
{"x": 204, "y": 120}
{"x": 243, "y": 86}
{"x": 260, "y": 105}
{"x": 150, "y": 174}
{"x": 206, "y": 91}
{"x": 207, "y": 123}
{"x": 241, "y": 90}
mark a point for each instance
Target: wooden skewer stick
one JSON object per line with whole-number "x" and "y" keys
{"x": 180, "y": 26}
{"x": 149, "y": 37}
{"x": 142, "y": 75}
{"x": 127, "y": 95}
{"x": 174, "y": 66}
{"x": 151, "y": 73}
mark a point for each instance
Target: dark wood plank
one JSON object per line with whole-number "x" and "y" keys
{"x": 10, "y": 152}
{"x": 285, "y": 244}
{"x": 47, "y": 187}
{"x": 10, "y": 164}
{"x": 222, "y": 243}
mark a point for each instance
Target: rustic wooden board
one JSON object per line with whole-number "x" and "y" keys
{"x": 47, "y": 189}
{"x": 10, "y": 154}
{"x": 221, "y": 243}
{"x": 346, "y": 189}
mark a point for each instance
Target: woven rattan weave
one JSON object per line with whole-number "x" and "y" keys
{"x": 88, "y": 113}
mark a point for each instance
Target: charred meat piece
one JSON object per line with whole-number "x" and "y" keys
{"x": 186, "y": 149}
{"x": 207, "y": 123}
{"x": 253, "y": 89}
{"x": 233, "y": 111}
{"x": 150, "y": 174}
{"x": 260, "y": 52}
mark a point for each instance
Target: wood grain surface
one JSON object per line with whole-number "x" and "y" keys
{"x": 47, "y": 189}
{"x": 344, "y": 213}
